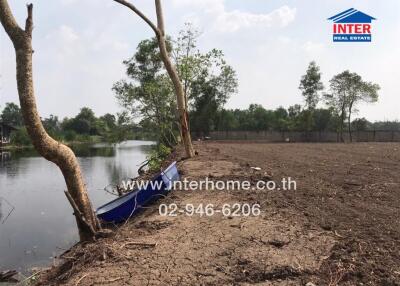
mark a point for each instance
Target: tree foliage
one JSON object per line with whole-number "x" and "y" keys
{"x": 257, "y": 118}
{"x": 84, "y": 127}
{"x": 12, "y": 115}
{"x": 148, "y": 94}
{"x": 346, "y": 91}
{"x": 311, "y": 85}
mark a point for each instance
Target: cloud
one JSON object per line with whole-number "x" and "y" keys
{"x": 209, "y": 4}
{"x": 284, "y": 40}
{"x": 235, "y": 20}
{"x": 68, "y": 2}
{"x": 312, "y": 47}
{"x": 68, "y": 34}
{"x": 222, "y": 20}
{"x": 64, "y": 40}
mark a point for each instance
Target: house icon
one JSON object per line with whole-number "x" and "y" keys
{"x": 352, "y": 26}
{"x": 352, "y": 16}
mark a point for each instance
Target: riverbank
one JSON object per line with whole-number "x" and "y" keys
{"x": 6, "y": 148}
{"x": 340, "y": 226}
{"x": 93, "y": 140}
{"x": 33, "y": 230}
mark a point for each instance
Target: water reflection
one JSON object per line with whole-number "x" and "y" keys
{"x": 97, "y": 150}
{"x": 42, "y": 220}
{"x": 1, "y": 210}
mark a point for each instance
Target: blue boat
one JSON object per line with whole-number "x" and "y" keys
{"x": 129, "y": 204}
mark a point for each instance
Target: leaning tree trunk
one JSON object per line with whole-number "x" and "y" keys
{"x": 173, "y": 74}
{"x": 178, "y": 87}
{"x": 46, "y": 146}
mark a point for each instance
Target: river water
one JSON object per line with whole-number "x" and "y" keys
{"x": 36, "y": 221}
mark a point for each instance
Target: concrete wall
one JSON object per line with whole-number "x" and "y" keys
{"x": 276, "y": 136}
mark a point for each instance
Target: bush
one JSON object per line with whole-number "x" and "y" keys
{"x": 157, "y": 156}
{"x": 20, "y": 137}
{"x": 84, "y": 138}
{"x": 70, "y": 135}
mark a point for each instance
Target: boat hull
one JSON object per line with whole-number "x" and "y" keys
{"x": 128, "y": 205}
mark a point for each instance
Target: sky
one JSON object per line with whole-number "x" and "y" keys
{"x": 80, "y": 45}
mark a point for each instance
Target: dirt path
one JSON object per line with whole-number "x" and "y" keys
{"x": 340, "y": 227}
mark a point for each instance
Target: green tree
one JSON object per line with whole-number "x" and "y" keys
{"x": 162, "y": 40}
{"x": 322, "y": 119}
{"x": 20, "y": 137}
{"x": 194, "y": 66}
{"x": 360, "y": 91}
{"x": 209, "y": 94}
{"x": 52, "y": 126}
{"x": 294, "y": 117}
{"x": 281, "y": 119}
{"x": 148, "y": 93}
{"x": 346, "y": 91}
{"x": 207, "y": 79}
{"x": 311, "y": 86}
{"x": 360, "y": 124}
{"x": 386, "y": 125}
{"x": 188, "y": 60}
{"x": 226, "y": 121}
{"x": 12, "y": 115}
{"x": 109, "y": 120}
{"x": 84, "y": 123}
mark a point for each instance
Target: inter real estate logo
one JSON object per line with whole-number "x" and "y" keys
{"x": 352, "y": 26}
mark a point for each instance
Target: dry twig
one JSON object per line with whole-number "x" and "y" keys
{"x": 80, "y": 279}
{"x": 139, "y": 243}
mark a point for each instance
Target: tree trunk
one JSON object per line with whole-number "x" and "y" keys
{"x": 349, "y": 122}
{"x": 349, "y": 127}
{"x": 46, "y": 146}
{"x": 341, "y": 127}
{"x": 173, "y": 74}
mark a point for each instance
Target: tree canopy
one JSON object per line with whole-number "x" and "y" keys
{"x": 311, "y": 85}
{"x": 12, "y": 115}
{"x": 347, "y": 89}
{"x": 147, "y": 94}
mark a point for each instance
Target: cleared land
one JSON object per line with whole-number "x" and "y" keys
{"x": 340, "y": 227}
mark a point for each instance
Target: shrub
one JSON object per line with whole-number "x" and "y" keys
{"x": 20, "y": 137}
{"x": 70, "y": 135}
{"x": 157, "y": 156}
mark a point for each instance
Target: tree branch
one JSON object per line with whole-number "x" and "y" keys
{"x": 139, "y": 13}
{"x": 29, "y": 20}
{"x": 78, "y": 214}
{"x": 8, "y": 21}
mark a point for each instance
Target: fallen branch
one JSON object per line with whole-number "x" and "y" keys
{"x": 352, "y": 183}
{"x": 79, "y": 215}
{"x": 33, "y": 275}
{"x": 111, "y": 280}
{"x": 80, "y": 279}
{"x": 337, "y": 234}
{"x": 139, "y": 243}
{"x": 7, "y": 276}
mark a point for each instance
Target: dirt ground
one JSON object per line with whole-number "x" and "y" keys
{"x": 341, "y": 226}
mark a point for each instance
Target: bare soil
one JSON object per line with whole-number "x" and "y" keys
{"x": 341, "y": 226}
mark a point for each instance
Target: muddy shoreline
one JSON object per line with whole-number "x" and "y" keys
{"x": 340, "y": 227}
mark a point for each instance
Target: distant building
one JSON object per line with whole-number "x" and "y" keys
{"x": 5, "y": 133}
